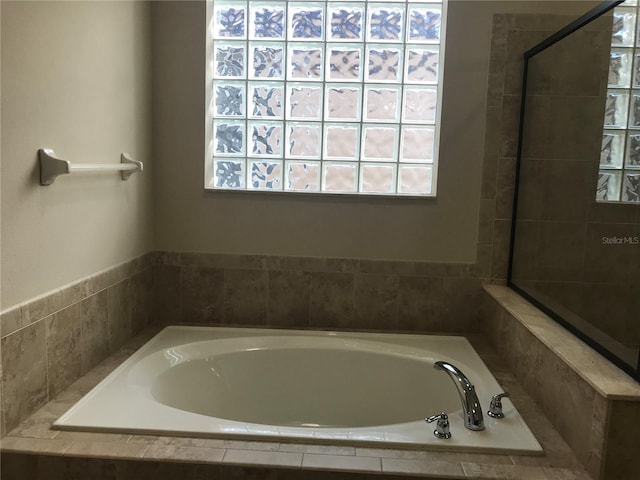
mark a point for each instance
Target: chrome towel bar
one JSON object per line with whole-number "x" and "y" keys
{"x": 51, "y": 166}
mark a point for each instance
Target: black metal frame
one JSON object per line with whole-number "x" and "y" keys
{"x": 591, "y": 15}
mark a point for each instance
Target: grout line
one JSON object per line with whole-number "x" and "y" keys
{"x": 224, "y": 455}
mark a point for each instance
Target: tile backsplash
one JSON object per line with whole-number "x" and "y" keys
{"x": 302, "y": 292}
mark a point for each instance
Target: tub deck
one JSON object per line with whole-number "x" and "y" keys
{"x": 35, "y": 451}
{"x": 353, "y": 388}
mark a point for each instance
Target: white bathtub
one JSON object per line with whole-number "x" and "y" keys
{"x": 303, "y": 386}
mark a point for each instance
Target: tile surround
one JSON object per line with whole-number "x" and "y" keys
{"x": 63, "y": 349}
{"x": 558, "y": 463}
{"x": 94, "y": 335}
{"x": 564, "y": 376}
{"x": 245, "y": 297}
{"x": 288, "y": 301}
{"x": 298, "y": 292}
{"x": 51, "y": 341}
{"x": 202, "y": 293}
{"x": 62, "y": 335}
{"x": 33, "y": 451}
{"x": 24, "y": 369}
{"x": 419, "y": 302}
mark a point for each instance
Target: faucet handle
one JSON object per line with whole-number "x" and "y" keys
{"x": 495, "y": 408}
{"x": 442, "y": 427}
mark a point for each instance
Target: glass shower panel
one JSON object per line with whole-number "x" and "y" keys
{"x": 574, "y": 254}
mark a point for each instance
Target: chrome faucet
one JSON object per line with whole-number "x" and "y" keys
{"x": 471, "y": 408}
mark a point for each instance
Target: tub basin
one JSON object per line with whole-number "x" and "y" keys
{"x": 305, "y": 386}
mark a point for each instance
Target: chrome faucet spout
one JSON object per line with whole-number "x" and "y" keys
{"x": 473, "y": 419}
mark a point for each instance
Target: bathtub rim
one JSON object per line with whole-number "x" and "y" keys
{"x": 159, "y": 342}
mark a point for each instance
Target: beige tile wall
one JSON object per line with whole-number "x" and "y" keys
{"x": 300, "y": 292}
{"x": 49, "y": 342}
{"x": 592, "y": 404}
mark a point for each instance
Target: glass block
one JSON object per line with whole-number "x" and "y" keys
{"x": 341, "y": 141}
{"x": 422, "y": 65}
{"x": 377, "y": 178}
{"x": 385, "y": 23}
{"x": 229, "y": 99}
{"x": 305, "y": 101}
{"x": 229, "y": 20}
{"x": 635, "y": 73}
{"x": 619, "y": 68}
{"x": 379, "y": 143}
{"x": 345, "y": 22}
{"x": 632, "y": 159}
{"x": 383, "y": 64}
{"x": 267, "y": 61}
{"x": 265, "y": 175}
{"x": 381, "y": 103}
{"x": 229, "y": 137}
{"x": 608, "y": 188}
{"x": 415, "y": 179}
{"x": 230, "y": 61}
{"x": 417, "y": 144}
{"x": 303, "y": 140}
{"x": 229, "y": 173}
{"x": 342, "y": 103}
{"x": 344, "y": 64}
{"x": 615, "y": 114}
{"x": 306, "y": 21}
{"x": 631, "y": 188}
{"x": 419, "y": 105}
{"x": 303, "y": 176}
{"x": 305, "y": 62}
{"x": 634, "y": 110}
{"x": 624, "y": 27}
{"x": 266, "y": 139}
{"x": 637, "y": 39}
{"x": 612, "y": 150}
{"x": 266, "y": 100}
{"x": 267, "y": 20}
{"x": 339, "y": 177}
{"x": 424, "y": 23}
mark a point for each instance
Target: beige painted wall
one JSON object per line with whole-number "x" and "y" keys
{"x": 444, "y": 229}
{"x": 75, "y": 78}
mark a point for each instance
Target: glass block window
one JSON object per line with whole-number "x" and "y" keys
{"x": 619, "y": 174}
{"x": 325, "y": 96}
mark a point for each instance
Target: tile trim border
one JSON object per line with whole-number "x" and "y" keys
{"x": 42, "y": 306}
